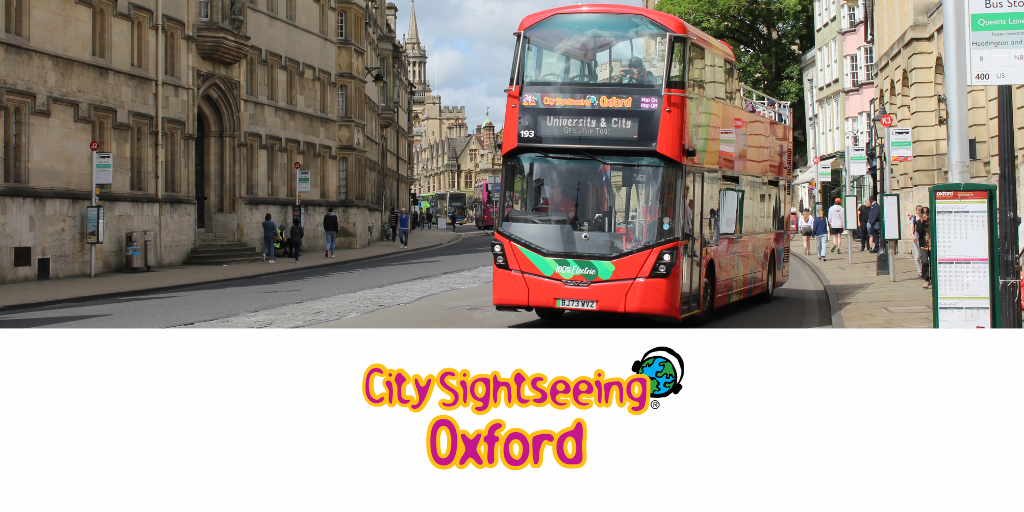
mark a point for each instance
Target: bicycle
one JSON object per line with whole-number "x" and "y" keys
{"x": 369, "y": 228}
{"x": 385, "y": 232}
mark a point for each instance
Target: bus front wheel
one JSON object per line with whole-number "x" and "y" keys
{"x": 707, "y": 298}
{"x": 550, "y": 313}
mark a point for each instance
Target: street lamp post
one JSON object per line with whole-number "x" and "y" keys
{"x": 885, "y": 262}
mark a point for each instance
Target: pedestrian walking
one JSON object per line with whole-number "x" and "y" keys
{"x": 837, "y": 223}
{"x": 874, "y": 221}
{"x": 923, "y": 239}
{"x": 330, "y": 231}
{"x": 452, "y": 217}
{"x": 430, "y": 219}
{"x": 820, "y": 231}
{"x": 403, "y": 229}
{"x": 806, "y": 225}
{"x": 269, "y": 236}
{"x": 415, "y": 219}
{"x": 286, "y": 242}
{"x": 296, "y": 236}
{"x": 862, "y": 223}
{"x": 914, "y": 218}
{"x": 393, "y": 222}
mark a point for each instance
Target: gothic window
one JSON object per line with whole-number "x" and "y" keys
{"x": 204, "y": 9}
{"x": 341, "y": 24}
{"x": 16, "y": 17}
{"x": 321, "y": 172}
{"x": 101, "y": 30}
{"x": 343, "y": 178}
{"x": 291, "y": 9}
{"x": 325, "y": 93}
{"x": 171, "y": 50}
{"x": 250, "y": 76}
{"x": 292, "y": 93}
{"x": 384, "y": 86}
{"x": 273, "y": 156}
{"x": 341, "y": 101}
{"x": 172, "y": 160}
{"x": 272, "y": 6}
{"x": 140, "y": 44}
{"x": 272, "y": 79}
{"x": 253, "y": 163}
{"x": 323, "y": 17}
{"x": 15, "y": 136}
{"x": 289, "y": 172}
{"x": 140, "y": 156}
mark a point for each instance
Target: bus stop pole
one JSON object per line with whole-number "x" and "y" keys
{"x": 846, "y": 192}
{"x": 92, "y": 194}
{"x": 1009, "y": 284}
{"x": 888, "y": 190}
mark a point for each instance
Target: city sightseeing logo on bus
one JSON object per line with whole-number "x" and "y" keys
{"x": 591, "y": 101}
{"x": 656, "y": 374}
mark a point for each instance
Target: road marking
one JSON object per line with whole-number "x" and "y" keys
{"x": 347, "y": 305}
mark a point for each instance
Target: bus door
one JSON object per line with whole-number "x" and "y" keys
{"x": 692, "y": 236}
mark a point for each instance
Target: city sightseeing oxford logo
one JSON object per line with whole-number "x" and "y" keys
{"x": 657, "y": 374}
{"x": 664, "y": 367}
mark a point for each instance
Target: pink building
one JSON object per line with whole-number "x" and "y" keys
{"x": 858, "y": 75}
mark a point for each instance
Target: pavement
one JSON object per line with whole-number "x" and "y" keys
{"x": 32, "y": 294}
{"x": 862, "y": 299}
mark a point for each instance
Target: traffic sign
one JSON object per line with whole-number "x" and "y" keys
{"x": 103, "y": 168}
{"x": 994, "y": 44}
{"x": 816, "y": 161}
{"x": 303, "y": 180}
{"x": 888, "y": 120}
{"x": 94, "y": 146}
{"x": 298, "y": 166}
{"x": 901, "y": 145}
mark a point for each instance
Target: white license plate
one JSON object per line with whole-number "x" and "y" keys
{"x": 575, "y": 304}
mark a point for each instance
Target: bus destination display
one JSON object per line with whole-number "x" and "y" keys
{"x": 586, "y": 126}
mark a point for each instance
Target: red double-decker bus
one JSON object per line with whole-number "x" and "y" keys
{"x": 639, "y": 175}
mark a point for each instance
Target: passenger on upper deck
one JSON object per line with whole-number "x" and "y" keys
{"x": 636, "y": 73}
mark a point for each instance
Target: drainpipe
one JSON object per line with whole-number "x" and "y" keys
{"x": 159, "y": 98}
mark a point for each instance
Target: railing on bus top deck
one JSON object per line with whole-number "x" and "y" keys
{"x": 766, "y": 106}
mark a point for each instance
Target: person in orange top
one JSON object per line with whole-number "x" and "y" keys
{"x": 556, "y": 202}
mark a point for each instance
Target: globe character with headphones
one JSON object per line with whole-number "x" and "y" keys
{"x": 665, "y": 369}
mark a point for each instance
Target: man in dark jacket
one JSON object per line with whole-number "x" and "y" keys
{"x": 393, "y": 222}
{"x": 331, "y": 231}
{"x": 862, "y": 223}
{"x": 296, "y": 236}
{"x": 874, "y": 221}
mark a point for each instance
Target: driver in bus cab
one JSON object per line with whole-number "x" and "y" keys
{"x": 556, "y": 202}
{"x": 636, "y": 72}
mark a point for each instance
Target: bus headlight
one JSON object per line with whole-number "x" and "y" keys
{"x": 665, "y": 262}
{"x": 498, "y": 251}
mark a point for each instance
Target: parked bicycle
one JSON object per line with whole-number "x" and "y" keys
{"x": 369, "y": 228}
{"x": 385, "y": 232}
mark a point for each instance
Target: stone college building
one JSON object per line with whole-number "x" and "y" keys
{"x": 206, "y": 106}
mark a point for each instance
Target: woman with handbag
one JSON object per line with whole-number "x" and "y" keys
{"x": 806, "y": 226}
{"x": 269, "y": 237}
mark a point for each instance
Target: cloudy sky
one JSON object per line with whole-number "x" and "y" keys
{"x": 469, "y": 44}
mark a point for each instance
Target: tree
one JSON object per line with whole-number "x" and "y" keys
{"x": 769, "y": 38}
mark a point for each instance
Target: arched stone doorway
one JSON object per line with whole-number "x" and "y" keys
{"x": 216, "y": 160}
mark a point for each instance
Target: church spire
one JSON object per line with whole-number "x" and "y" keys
{"x": 414, "y": 31}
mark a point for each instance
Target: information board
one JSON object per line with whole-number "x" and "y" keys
{"x": 851, "y": 212}
{"x": 962, "y": 281}
{"x": 103, "y": 168}
{"x": 587, "y": 126}
{"x": 901, "y": 145}
{"x": 825, "y": 170}
{"x": 303, "y": 183}
{"x": 94, "y": 225}
{"x": 890, "y": 217}
{"x": 995, "y": 42}
{"x": 858, "y": 161}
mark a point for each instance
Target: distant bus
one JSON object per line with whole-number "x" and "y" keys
{"x": 456, "y": 200}
{"x": 486, "y": 208}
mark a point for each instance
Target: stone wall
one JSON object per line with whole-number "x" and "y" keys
{"x": 351, "y": 220}
{"x": 55, "y": 229}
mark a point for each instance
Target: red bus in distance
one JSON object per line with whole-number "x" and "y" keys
{"x": 639, "y": 175}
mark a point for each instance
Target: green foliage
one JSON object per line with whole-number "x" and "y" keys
{"x": 768, "y": 36}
